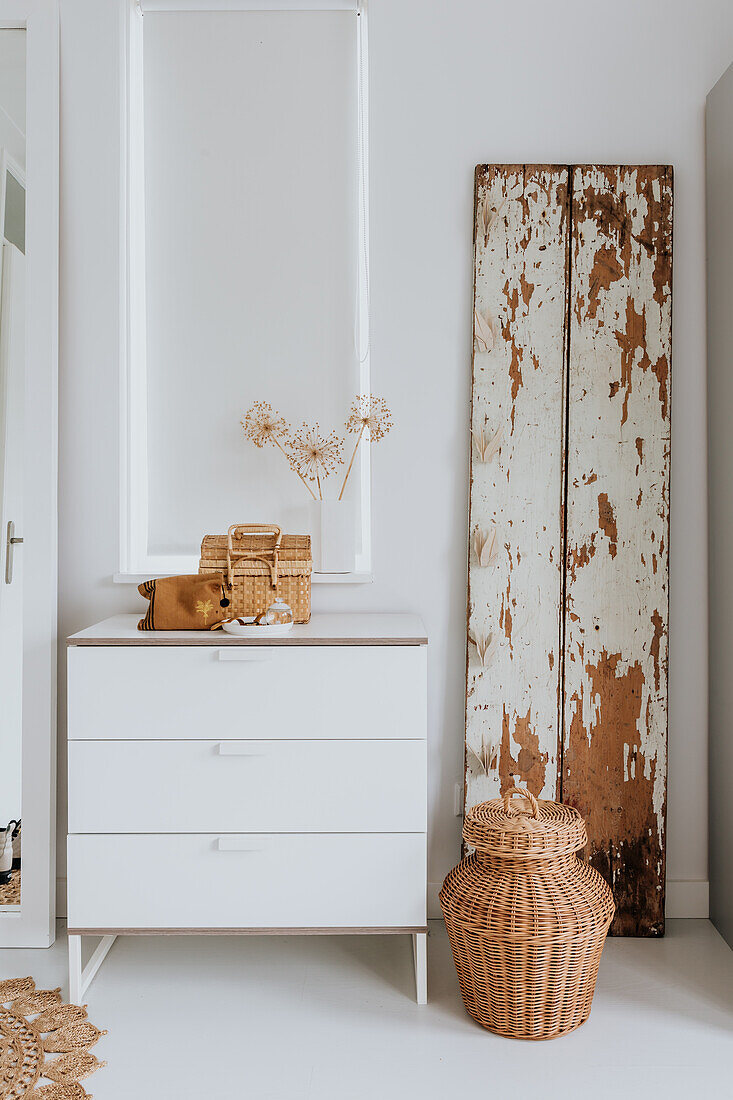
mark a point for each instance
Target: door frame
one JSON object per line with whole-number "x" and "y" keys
{"x": 34, "y": 925}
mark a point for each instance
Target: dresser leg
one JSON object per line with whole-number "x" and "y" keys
{"x": 420, "y": 955}
{"x": 75, "y": 970}
{"x": 80, "y": 979}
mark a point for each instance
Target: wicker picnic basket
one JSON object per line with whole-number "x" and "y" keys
{"x": 526, "y": 918}
{"x": 259, "y": 563}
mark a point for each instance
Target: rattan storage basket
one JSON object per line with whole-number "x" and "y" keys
{"x": 526, "y": 918}
{"x": 260, "y": 563}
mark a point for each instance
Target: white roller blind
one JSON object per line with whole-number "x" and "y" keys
{"x": 251, "y": 240}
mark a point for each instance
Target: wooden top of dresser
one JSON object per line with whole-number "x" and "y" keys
{"x": 356, "y": 628}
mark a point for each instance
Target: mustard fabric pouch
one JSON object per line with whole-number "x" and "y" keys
{"x": 194, "y": 602}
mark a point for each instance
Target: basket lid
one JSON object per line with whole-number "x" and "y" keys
{"x": 524, "y": 827}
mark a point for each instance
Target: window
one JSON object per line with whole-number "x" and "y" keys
{"x": 245, "y": 225}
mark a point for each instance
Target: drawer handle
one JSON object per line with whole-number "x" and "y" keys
{"x": 239, "y": 844}
{"x": 238, "y": 748}
{"x": 245, "y": 653}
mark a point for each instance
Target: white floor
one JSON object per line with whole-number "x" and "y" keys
{"x": 334, "y": 1017}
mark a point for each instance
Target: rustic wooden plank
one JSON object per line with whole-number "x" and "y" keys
{"x": 515, "y": 554}
{"x": 615, "y": 715}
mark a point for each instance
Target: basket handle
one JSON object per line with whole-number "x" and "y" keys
{"x": 524, "y": 794}
{"x": 259, "y": 529}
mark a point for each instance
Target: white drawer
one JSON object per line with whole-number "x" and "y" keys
{"x": 243, "y": 692}
{"x": 256, "y": 881}
{"x": 267, "y": 786}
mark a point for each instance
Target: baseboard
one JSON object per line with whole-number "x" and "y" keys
{"x": 684, "y": 899}
{"x": 688, "y": 898}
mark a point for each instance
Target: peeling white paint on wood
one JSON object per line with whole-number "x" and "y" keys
{"x": 520, "y": 307}
{"x": 615, "y": 722}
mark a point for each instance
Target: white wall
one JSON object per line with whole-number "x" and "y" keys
{"x": 719, "y": 133}
{"x": 452, "y": 85}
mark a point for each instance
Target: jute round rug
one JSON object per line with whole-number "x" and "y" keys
{"x": 10, "y": 892}
{"x": 44, "y": 1044}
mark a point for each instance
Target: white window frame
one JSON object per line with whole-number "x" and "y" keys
{"x": 136, "y": 563}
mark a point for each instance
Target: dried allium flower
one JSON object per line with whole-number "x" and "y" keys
{"x": 485, "y": 546}
{"x": 315, "y": 456}
{"x": 263, "y": 425}
{"x": 487, "y": 448}
{"x": 484, "y": 331}
{"x": 488, "y": 214}
{"x": 486, "y": 647}
{"x": 370, "y": 414}
{"x": 486, "y": 756}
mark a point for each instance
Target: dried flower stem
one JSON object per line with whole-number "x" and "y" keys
{"x": 292, "y": 466}
{"x": 353, "y": 456}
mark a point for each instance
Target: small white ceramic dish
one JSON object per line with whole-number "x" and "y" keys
{"x": 248, "y": 628}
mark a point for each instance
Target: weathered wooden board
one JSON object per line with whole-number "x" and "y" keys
{"x": 515, "y": 525}
{"x": 566, "y": 677}
{"x": 617, "y": 539}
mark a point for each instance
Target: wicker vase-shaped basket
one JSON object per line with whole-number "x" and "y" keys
{"x": 526, "y": 918}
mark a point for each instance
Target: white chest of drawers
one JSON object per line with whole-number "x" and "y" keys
{"x": 220, "y": 786}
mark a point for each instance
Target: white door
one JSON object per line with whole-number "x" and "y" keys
{"x": 12, "y": 377}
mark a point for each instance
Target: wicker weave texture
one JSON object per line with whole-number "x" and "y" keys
{"x": 524, "y": 828}
{"x": 526, "y": 929}
{"x": 260, "y": 566}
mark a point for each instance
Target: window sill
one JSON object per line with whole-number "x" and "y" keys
{"x": 316, "y": 578}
